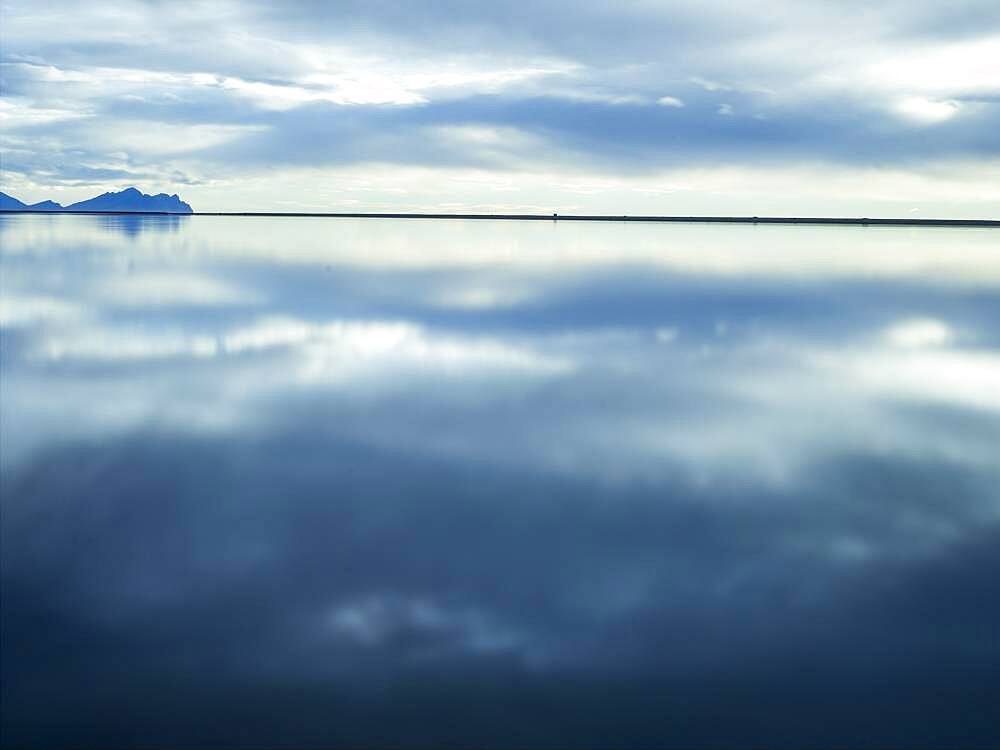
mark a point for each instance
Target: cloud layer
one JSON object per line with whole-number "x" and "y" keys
{"x": 241, "y": 105}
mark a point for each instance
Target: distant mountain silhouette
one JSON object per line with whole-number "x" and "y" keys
{"x": 9, "y": 203}
{"x": 45, "y": 206}
{"x": 130, "y": 200}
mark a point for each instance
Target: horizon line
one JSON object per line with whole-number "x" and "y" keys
{"x": 848, "y": 221}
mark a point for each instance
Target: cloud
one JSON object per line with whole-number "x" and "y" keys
{"x": 236, "y": 92}
{"x": 328, "y": 351}
{"x": 961, "y": 69}
{"x": 926, "y": 111}
{"x": 670, "y": 101}
{"x": 16, "y": 114}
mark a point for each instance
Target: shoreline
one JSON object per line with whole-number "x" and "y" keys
{"x": 832, "y": 221}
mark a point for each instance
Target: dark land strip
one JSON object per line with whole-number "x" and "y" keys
{"x": 566, "y": 217}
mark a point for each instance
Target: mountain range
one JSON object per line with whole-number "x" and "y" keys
{"x": 128, "y": 200}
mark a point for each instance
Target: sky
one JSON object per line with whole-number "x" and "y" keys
{"x": 710, "y": 107}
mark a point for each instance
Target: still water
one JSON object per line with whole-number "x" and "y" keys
{"x": 285, "y": 482}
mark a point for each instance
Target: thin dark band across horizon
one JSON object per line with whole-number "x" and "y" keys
{"x": 849, "y": 221}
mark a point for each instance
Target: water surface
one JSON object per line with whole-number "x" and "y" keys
{"x": 287, "y": 482}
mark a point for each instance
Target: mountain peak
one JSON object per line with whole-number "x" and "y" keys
{"x": 10, "y": 203}
{"x": 131, "y": 199}
{"x": 45, "y": 206}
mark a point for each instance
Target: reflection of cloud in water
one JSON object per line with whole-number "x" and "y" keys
{"x": 483, "y": 297}
{"x": 963, "y": 378}
{"x": 174, "y": 553}
{"x": 341, "y": 505}
{"x": 917, "y": 333}
{"x": 17, "y": 310}
{"x": 419, "y": 626}
{"x": 931, "y": 257}
{"x": 334, "y": 348}
{"x": 144, "y": 290}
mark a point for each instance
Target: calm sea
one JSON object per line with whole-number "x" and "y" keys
{"x": 282, "y": 482}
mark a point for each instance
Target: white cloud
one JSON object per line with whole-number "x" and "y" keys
{"x": 151, "y": 139}
{"x": 346, "y": 79}
{"x": 709, "y": 85}
{"x": 343, "y": 89}
{"x": 199, "y": 67}
{"x": 670, "y": 101}
{"x": 18, "y": 113}
{"x": 596, "y": 96}
{"x": 506, "y": 138}
{"x": 926, "y": 111}
{"x": 951, "y": 68}
{"x": 666, "y": 335}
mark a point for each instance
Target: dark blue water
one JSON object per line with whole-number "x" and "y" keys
{"x": 290, "y": 482}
